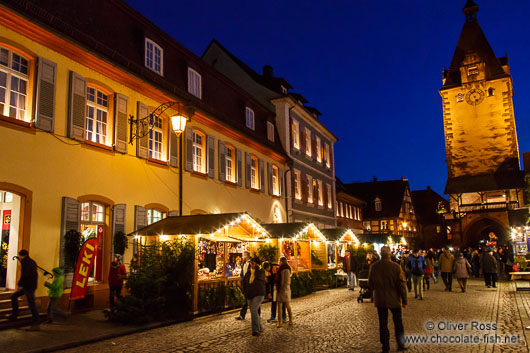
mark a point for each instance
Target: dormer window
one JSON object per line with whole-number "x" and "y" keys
{"x": 153, "y": 56}
{"x": 378, "y": 204}
{"x": 249, "y": 118}
{"x": 491, "y": 92}
{"x": 270, "y": 131}
{"x": 194, "y": 83}
{"x": 284, "y": 90}
{"x": 472, "y": 71}
{"x": 459, "y": 97}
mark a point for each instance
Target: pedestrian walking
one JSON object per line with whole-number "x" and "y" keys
{"x": 274, "y": 304}
{"x": 446, "y": 267}
{"x": 417, "y": 268}
{"x": 475, "y": 264}
{"x": 283, "y": 284}
{"x": 244, "y": 268}
{"x": 55, "y": 291}
{"x": 406, "y": 269}
{"x": 348, "y": 265}
{"x": 429, "y": 270}
{"x": 117, "y": 274}
{"x": 462, "y": 268}
{"x": 254, "y": 293}
{"x": 388, "y": 283}
{"x": 27, "y": 285}
{"x": 489, "y": 268}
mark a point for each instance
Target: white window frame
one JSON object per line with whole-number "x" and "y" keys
{"x": 320, "y": 193}
{"x": 198, "y": 150}
{"x": 154, "y": 215}
{"x": 229, "y": 163}
{"x": 319, "y": 150}
{"x": 270, "y": 131}
{"x": 351, "y": 212}
{"x": 156, "y": 138}
{"x": 154, "y": 57}
{"x": 275, "y": 177}
{"x": 297, "y": 185}
{"x": 308, "y": 146}
{"x": 194, "y": 83}
{"x": 328, "y": 159}
{"x": 330, "y": 198}
{"x": 341, "y": 209}
{"x": 296, "y": 134}
{"x": 254, "y": 172}
{"x": 378, "y": 204}
{"x": 11, "y": 73}
{"x": 99, "y": 131}
{"x": 250, "y": 118}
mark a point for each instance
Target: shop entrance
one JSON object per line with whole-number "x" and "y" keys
{"x": 10, "y": 220}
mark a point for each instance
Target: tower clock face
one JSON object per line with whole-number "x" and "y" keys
{"x": 474, "y": 96}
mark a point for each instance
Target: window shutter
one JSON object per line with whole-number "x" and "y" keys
{"x": 247, "y": 170}
{"x": 302, "y": 139}
{"x": 222, "y": 161}
{"x": 120, "y": 123}
{"x": 189, "y": 149}
{"x": 173, "y": 149}
{"x": 280, "y": 178}
{"x": 142, "y": 144}
{"x": 118, "y": 221}
{"x": 239, "y": 168}
{"x": 140, "y": 217}
{"x": 173, "y": 213}
{"x": 70, "y": 220}
{"x": 269, "y": 177}
{"x": 313, "y": 146}
{"x": 210, "y": 139}
{"x": 46, "y": 80}
{"x": 262, "y": 175}
{"x": 325, "y": 193}
{"x": 77, "y": 107}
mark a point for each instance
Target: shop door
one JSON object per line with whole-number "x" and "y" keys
{"x": 10, "y": 214}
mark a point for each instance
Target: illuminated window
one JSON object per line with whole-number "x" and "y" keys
{"x": 296, "y": 134}
{"x": 338, "y": 209}
{"x": 459, "y": 97}
{"x": 330, "y": 198}
{"x": 472, "y": 71}
{"x": 378, "y": 204}
{"x": 270, "y": 131}
{"x": 92, "y": 212}
{"x": 384, "y": 225}
{"x": 153, "y": 56}
{"x": 491, "y": 92}
{"x": 254, "y": 182}
{"x": 297, "y": 185}
{"x": 327, "y": 156}
{"x": 97, "y": 110}
{"x": 93, "y": 225}
{"x": 154, "y": 215}
{"x": 351, "y": 212}
{"x": 13, "y": 84}
{"x": 309, "y": 189}
{"x": 199, "y": 164}
{"x": 194, "y": 83}
{"x": 308, "y": 142}
{"x": 320, "y": 193}
{"x": 249, "y": 118}
{"x": 8, "y": 197}
{"x": 319, "y": 150}
{"x": 155, "y": 138}
{"x": 230, "y": 166}
{"x": 341, "y": 209}
{"x": 275, "y": 181}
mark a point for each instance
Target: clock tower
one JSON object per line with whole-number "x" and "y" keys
{"x": 482, "y": 153}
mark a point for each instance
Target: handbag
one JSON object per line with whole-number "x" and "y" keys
{"x": 428, "y": 271}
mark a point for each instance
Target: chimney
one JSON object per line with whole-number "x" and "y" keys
{"x": 375, "y": 179}
{"x": 428, "y": 187}
{"x": 267, "y": 71}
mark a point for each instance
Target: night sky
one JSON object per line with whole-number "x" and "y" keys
{"x": 373, "y": 68}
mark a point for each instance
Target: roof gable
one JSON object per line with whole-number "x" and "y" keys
{"x": 391, "y": 193}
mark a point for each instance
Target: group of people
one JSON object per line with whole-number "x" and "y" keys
{"x": 259, "y": 281}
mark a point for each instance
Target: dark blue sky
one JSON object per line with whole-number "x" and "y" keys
{"x": 373, "y": 68}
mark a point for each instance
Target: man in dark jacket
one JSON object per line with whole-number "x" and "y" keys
{"x": 489, "y": 268}
{"x": 254, "y": 290}
{"x": 245, "y": 266}
{"x": 27, "y": 285}
{"x": 388, "y": 283}
{"x": 417, "y": 268}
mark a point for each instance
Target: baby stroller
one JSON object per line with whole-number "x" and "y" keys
{"x": 364, "y": 292}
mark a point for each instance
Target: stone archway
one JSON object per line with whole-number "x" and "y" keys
{"x": 481, "y": 229}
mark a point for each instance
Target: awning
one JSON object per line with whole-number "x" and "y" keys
{"x": 219, "y": 238}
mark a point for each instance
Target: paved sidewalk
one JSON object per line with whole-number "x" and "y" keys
{"x": 327, "y": 321}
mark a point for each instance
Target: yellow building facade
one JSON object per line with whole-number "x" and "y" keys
{"x": 62, "y": 173}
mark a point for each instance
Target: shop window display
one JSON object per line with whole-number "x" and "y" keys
{"x": 220, "y": 259}
{"x": 93, "y": 226}
{"x": 332, "y": 263}
{"x": 297, "y": 254}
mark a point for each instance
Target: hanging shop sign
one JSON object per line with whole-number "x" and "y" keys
{"x": 83, "y": 268}
{"x": 7, "y": 220}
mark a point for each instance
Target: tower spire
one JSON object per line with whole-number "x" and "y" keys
{"x": 470, "y": 11}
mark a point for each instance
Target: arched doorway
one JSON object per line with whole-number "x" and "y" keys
{"x": 481, "y": 231}
{"x": 15, "y": 221}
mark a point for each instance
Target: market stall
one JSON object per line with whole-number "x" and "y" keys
{"x": 295, "y": 241}
{"x": 337, "y": 241}
{"x": 220, "y": 240}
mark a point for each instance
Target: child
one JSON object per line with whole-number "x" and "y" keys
{"x": 55, "y": 291}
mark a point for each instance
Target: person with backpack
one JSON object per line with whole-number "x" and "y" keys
{"x": 55, "y": 291}
{"x": 417, "y": 268}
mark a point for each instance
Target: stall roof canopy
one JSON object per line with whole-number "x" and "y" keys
{"x": 197, "y": 224}
{"x": 340, "y": 234}
{"x": 306, "y": 231}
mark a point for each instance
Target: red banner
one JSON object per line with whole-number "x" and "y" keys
{"x": 83, "y": 268}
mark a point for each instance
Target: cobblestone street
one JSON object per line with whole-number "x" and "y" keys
{"x": 333, "y": 321}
